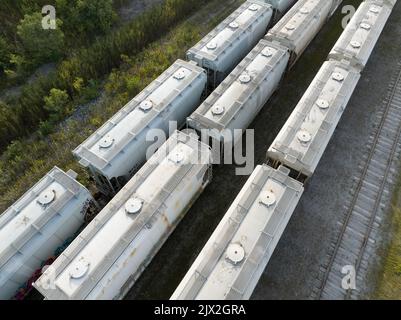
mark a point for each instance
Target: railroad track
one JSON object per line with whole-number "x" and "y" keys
{"x": 364, "y": 211}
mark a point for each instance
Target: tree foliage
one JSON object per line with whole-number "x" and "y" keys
{"x": 56, "y": 102}
{"x": 86, "y": 17}
{"x": 4, "y": 55}
{"x": 84, "y": 21}
{"x": 97, "y": 60}
{"x": 40, "y": 45}
{"x": 12, "y": 11}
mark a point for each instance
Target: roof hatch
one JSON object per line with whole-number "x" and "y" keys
{"x": 106, "y": 142}
{"x": 268, "y": 198}
{"x": 46, "y": 197}
{"x": 235, "y": 253}
{"x": 304, "y": 136}
{"x": 133, "y": 205}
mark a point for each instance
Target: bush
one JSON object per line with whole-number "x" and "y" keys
{"x": 78, "y": 84}
{"x": 56, "y": 102}
{"x": 4, "y": 55}
{"x": 45, "y": 128}
{"x": 18, "y": 64}
{"x": 10, "y": 125}
{"x": 40, "y": 45}
{"x": 86, "y": 18}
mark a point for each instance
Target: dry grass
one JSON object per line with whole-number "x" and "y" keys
{"x": 389, "y": 282}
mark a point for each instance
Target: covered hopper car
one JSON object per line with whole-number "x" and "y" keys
{"x": 301, "y": 142}
{"x": 238, "y": 99}
{"x": 232, "y": 261}
{"x": 118, "y": 149}
{"x": 112, "y": 251}
{"x": 224, "y": 47}
{"x": 300, "y": 25}
{"x": 360, "y": 36}
{"x": 37, "y": 224}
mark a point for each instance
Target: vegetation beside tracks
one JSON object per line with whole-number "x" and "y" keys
{"x": 389, "y": 277}
{"x": 27, "y": 160}
{"x": 78, "y": 75}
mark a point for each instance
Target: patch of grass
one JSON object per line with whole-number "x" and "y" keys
{"x": 389, "y": 280}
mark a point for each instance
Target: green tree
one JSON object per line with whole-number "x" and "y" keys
{"x": 17, "y": 64}
{"x": 56, "y": 102}
{"x": 95, "y": 15}
{"x": 40, "y": 45}
{"x": 87, "y": 17}
{"x": 4, "y": 55}
{"x": 95, "y": 61}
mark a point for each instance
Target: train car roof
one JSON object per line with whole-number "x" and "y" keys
{"x": 112, "y": 138}
{"x": 239, "y": 248}
{"x": 52, "y": 194}
{"x": 82, "y": 265}
{"x": 304, "y": 137}
{"x": 227, "y": 32}
{"x": 227, "y": 100}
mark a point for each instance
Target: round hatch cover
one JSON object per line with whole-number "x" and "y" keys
{"x": 268, "y": 198}
{"x": 211, "y": 45}
{"x": 146, "y": 105}
{"x": 267, "y": 52}
{"x": 244, "y": 78}
{"x": 79, "y": 269}
{"x": 133, "y": 205}
{"x": 179, "y": 75}
{"x": 254, "y": 7}
{"x": 233, "y": 25}
{"x": 322, "y": 104}
{"x": 177, "y": 157}
{"x": 338, "y": 76}
{"x": 304, "y": 136}
{"x": 290, "y": 26}
{"x": 106, "y": 142}
{"x": 365, "y": 26}
{"x": 355, "y": 44}
{"x": 235, "y": 253}
{"x": 304, "y": 11}
{"x": 374, "y": 9}
{"x": 46, "y": 197}
{"x": 217, "y": 110}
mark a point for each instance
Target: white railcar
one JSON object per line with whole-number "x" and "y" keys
{"x": 302, "y": 141}
{"x": 37, "y": 224}
{"x": 109, "y": 255}
{"x": 226, "y": 45}
{"x": 239, "y": 98}
{"x": 118, "y": 149}
{"x": 280, "y": 7}
{"x": 300, "y": 25}
{"x": 360, "y": 36}
{"x": 232, "y": 261}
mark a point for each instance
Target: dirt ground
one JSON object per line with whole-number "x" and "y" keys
{"x": 295, "y": 263}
